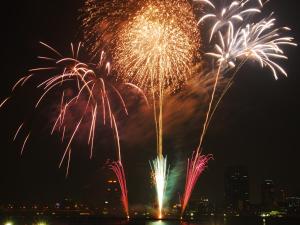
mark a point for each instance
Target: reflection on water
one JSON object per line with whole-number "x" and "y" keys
{"x": 159, "y": 222}
{"x": 171, "y": 222}
{"x": 99, "y": 221}
{"x": 162, "y": 222}
{"x": 224, "y": 221}
{"x": 178, "y": 222}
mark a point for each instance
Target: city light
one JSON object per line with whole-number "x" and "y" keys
{"x": 9, "y": 223}
{"x": 41, "y": 223}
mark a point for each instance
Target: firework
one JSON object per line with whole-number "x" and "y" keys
{"x": 118, "y": 169}
{"x": 237, "y": 42}
{"x": 160, "y": 174}
{"x": 228, "y": 16}
{"x": 69, "y": 72}
{"x": 4, "y": 102}
{"x": 102, "y": 19}
{"x": 259, "y": 42}
{"x": 195, "y": 167}
{"x": 155, "y": 49}
{"x": 153, "y": 45}
{"x": 91, "y": 97}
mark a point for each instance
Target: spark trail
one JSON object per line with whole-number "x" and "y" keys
{"x": 195, "y": 167}
{"x": 118, "y": 169}
{"x": 91, "y": 97}
{"x": 155, "y": 50}
{"x": 160, "y": 169}
{"x": 238, "y": 41}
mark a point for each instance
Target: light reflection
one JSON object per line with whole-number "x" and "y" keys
{"x": 41, "y": 223}
{"x": 157, "y": 222}
{"x": 172, "y": 222}
{"x": 165, "y": 222}
{"x": 8, "y": 223}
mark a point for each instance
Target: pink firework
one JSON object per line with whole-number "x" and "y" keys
{"x": 118, "y": 169}
{"x": 91, "y": 96}
{"x": 83, "y": 89}
{"x": 195, "y": 167}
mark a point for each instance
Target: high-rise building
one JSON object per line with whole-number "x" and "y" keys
{"x": 282, "y": 194}
{"x": 205, "y": 207}
{"x": 236, "y": 189}
{"x": 293, "y": 205}
{"x": 268, "y": 194}
{"x": 111, "y": 204}
{"x": 281, "y": 198}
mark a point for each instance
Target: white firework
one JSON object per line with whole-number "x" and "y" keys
{"x": 160, "y": 169}
{"x": 259, "y": 41}
{"x": 229, "y": 15}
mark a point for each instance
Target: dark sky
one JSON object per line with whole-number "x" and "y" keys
{"x": 257, "y": 124}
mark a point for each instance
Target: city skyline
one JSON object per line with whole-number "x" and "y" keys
{"x": 274, "y": 202}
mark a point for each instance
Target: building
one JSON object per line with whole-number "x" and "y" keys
{"x": 281, "y": 199}
{"x": 293, "y": 205}
{"x": 199, "y": 206}
{"x": 205, "y": 207}
{"x": 111, "y": 204}
{"x": 268, "y": 195}
{"x": 282, "y": 194}
{"x": 236, "y": 182}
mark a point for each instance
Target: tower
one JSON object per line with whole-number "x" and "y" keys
{"x": 236, "y": 189}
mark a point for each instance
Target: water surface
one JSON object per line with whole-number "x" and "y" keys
{"x": 98, "y": 221}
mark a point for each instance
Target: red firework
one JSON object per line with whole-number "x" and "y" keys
{"x": 195, "y": 167}
{"x": 118, "y": 170}
{"x": 90, "y": 89}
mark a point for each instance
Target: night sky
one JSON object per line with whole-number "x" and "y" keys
{"x": 257, "y": 124}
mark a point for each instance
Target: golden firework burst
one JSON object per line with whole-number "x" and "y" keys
{"x": 101, "y": 19}
{"x": 156, "y": 47}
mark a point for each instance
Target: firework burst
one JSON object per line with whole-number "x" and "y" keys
{"x": 91, "y": 96}
{"x": 157, "y": 45}
{"x": 102, "y": 19}
{"x": 234, "y": 13}
{"x": 154, "y": 45}
{"x": 159, "y": 168}
{"x": 195, "y": 167}
{"x": 238, "y": 40}
{"x": 118, "y": 170}
{"x": 155, "y": 49}
{"x": 69, "y": 72}
{"x": 259, "y": 42}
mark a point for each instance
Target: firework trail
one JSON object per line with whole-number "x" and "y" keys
{"x": 160, "y": 175}
{"x": 101, "y": 21}
{"x": 70, "y": 72}
{"x": 155, "y": 50}
{"x": 228, "y": 16}
{"x": 88, "y": 85}
{"x": 195, "y": 167}
{"x": 4, "y": 102}
{"x": 259, "y": 42}
{"x": 118, "y": 169}
{"x": 237, "y": 42}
